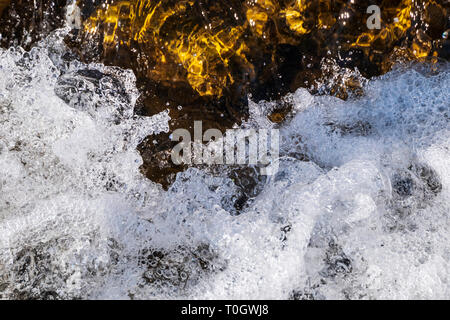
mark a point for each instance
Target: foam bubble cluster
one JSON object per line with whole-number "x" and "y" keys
{"x": 358, "y": 210}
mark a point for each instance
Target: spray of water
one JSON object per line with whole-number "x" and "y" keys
{"x": 358, "y": 209}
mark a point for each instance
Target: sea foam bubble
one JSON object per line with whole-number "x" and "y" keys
{"x": 358, "y": 210}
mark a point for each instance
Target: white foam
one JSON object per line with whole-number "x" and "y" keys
{"x": 367, "y": 217}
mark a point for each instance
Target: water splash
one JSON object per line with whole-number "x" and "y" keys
{"x": 359, "y": 208}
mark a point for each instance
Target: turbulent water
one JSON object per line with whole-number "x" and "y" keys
{"x": 367, "y": 217}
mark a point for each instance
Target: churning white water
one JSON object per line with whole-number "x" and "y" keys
{"x": 366, "y": 217}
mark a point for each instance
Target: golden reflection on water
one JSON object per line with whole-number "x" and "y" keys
{"x": 199, "y": 41}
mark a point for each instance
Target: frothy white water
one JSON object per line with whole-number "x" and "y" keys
{"x": 366, "y": 217}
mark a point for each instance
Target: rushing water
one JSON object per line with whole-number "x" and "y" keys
{"x": 365, "y": 217}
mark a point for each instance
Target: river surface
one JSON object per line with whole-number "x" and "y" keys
{"x": 359, "y": 208}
